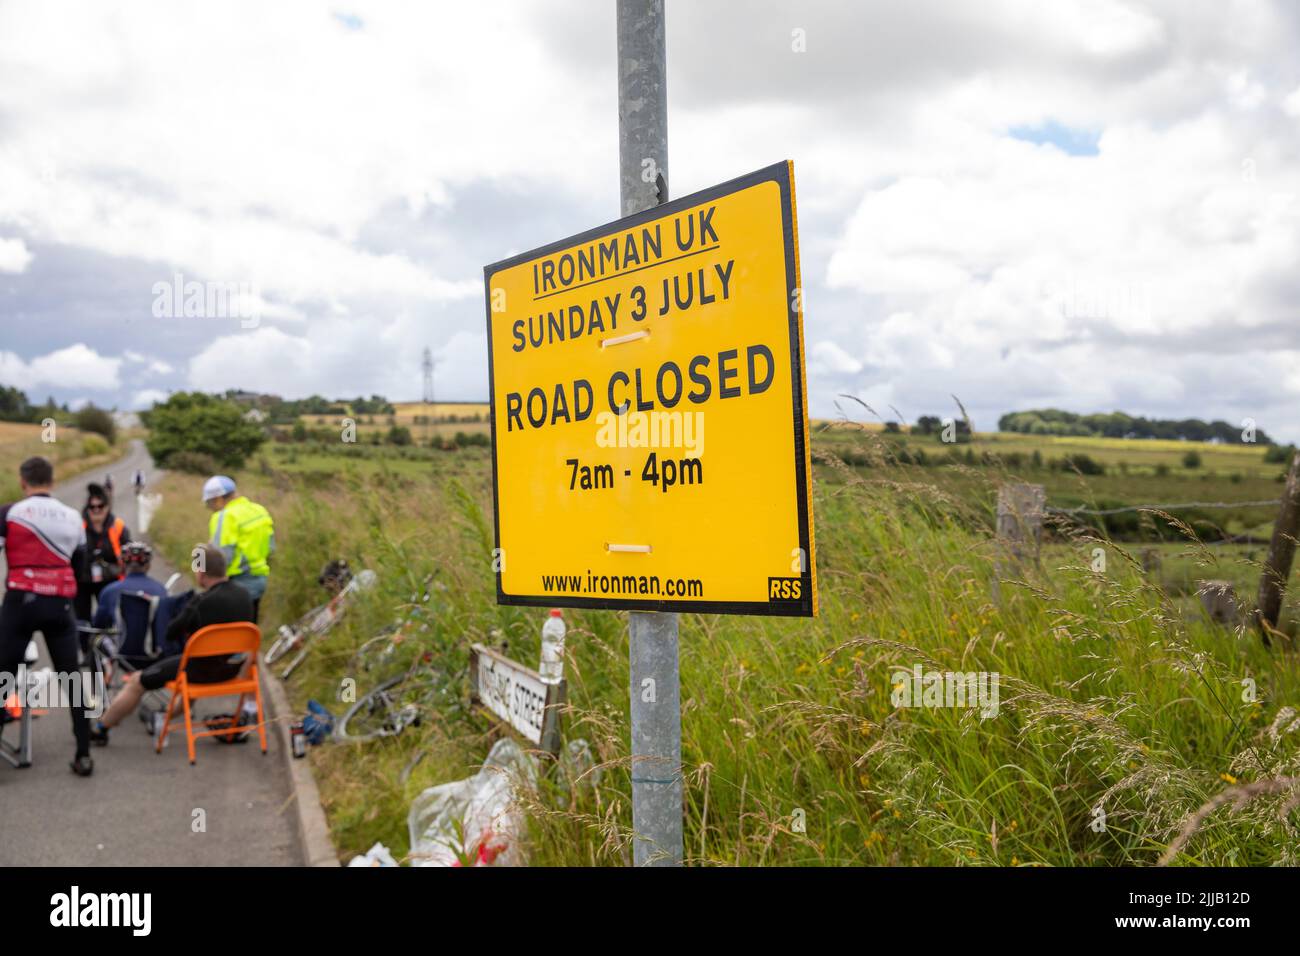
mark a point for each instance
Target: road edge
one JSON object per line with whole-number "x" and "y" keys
{"x": 313, "y": 829}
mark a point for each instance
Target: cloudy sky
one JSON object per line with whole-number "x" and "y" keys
{"x": 1087, "y": 204}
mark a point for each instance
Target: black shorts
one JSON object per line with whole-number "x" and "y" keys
{"x": 201, "y": 670}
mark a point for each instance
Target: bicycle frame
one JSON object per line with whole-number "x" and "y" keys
{"x": 315, "y": 623}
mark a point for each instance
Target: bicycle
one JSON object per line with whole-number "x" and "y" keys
{"x": 301, "y": 635}
{"x": 375, "y": 653}
{"x": 399, "y": 701}
{"x": 101, "y": 667}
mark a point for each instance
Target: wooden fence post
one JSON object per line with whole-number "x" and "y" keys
{"x": 1019, "y": 528}
{"x": 1020, "y": 518}
{"x": 1281, "y": 552}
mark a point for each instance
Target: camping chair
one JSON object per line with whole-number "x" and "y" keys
{"x": 138, "y": 651}
{"x": 217, "y": 640}
{"x": 19, "y": 754}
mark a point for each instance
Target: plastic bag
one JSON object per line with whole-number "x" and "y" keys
{"x": 475, "y": 821}
{"x": 377, "y": 855}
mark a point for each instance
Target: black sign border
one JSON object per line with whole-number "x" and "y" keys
{"x": 783, "y": 175}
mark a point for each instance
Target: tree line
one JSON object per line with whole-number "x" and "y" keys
{"x": 16, "y": 407}
{"x": 1054, "y": 421}
{"x": 283, "y": 412}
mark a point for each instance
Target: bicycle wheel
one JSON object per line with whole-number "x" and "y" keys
{"x": 94, "y": 684}
{"x": 284, "y": 642}
{"x": 293, "y": 664}
{"x": 390, "y": 708}
{"x": 375, "y": 653}
{"x": 95, "y": 663}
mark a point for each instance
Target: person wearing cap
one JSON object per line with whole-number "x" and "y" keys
{"x": 244, "y": 533}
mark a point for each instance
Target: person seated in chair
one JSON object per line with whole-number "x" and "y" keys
{"x": 222, "y": 602}
{"x": 136, "y": 616}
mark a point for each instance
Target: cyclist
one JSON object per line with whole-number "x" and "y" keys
{"x": 99, "y": 561}
{"x": 40, "y": 535}
{"x": 136, "y": 559}
{"x": 244, "y": 533}
{"x": 138, "y": 481}
{"x": 108, "y": 484}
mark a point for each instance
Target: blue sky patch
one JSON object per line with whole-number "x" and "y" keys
{"x": 349, "y": 20}
{"x": 1075, "y": 142}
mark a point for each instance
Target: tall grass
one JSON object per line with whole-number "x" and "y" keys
{"x": 73, "y": 453}
{"x": 1120, "y": 714}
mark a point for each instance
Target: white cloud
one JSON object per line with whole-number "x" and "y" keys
{"x": 77, "y": 366}
{"x": 344, "y": 356}
{"x": 147, "y": 397}
{"x": 1291, "y": 105}
{"x": 833, "y": 358}
{"x": 154, "y": 366}
{"x": 261, "y": 158}
{"x": 14, "y": 257}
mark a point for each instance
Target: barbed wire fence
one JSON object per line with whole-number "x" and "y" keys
{"x": 1181, "y": 506}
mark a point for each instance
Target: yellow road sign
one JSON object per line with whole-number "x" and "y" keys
{"x": 649, "y": 416}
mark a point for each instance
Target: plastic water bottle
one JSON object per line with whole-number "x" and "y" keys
{"x": 552, "y": 670}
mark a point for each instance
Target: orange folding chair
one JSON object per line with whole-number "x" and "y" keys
{"x": 217, "y": 640}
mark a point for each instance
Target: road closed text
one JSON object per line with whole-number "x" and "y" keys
{"x": 730, "y": 373}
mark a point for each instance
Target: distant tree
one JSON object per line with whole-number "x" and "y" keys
{"x": 398, "y": 435}
{"x": 97, "y": 420}
{"x": 14, "y": 406}
{"x": 1192, "y": 459}
{"x": 204, "y": 424}
{"x": 927, "y": 425}
{"x": 374, "y": 405}
{"x": 1084, "y": 464}
{"x": 892, "y": 428}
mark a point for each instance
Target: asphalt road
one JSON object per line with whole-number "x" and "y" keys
{"x": 142, "y": 808}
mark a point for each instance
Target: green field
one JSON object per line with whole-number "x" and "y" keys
{"x": 72, "y": 453}
{"x": 1135, "y": 473}
{"x": 1119, "y": 701}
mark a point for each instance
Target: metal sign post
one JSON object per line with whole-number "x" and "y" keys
{"x": 656, "y": 713}
{"x": 606, "y": 353}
